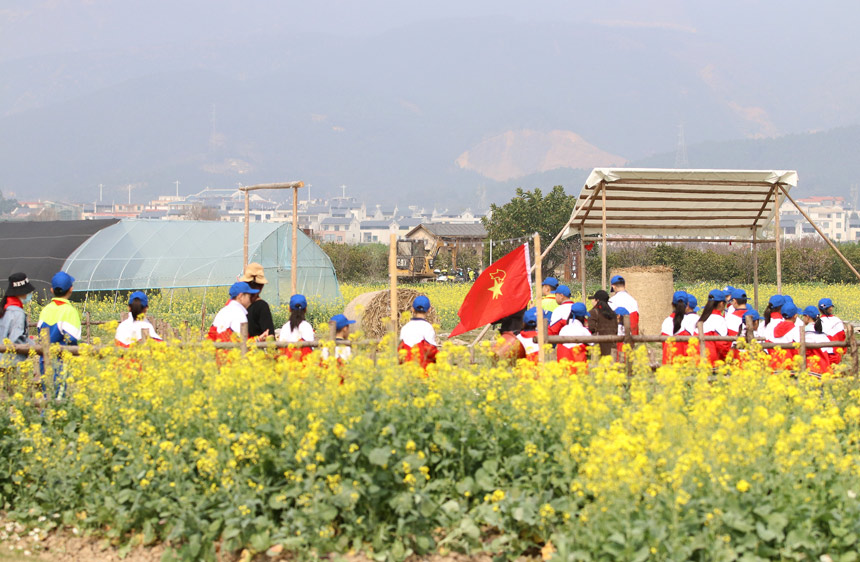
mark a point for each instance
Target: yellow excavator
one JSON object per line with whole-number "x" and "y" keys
{"x": 415, "y": 260}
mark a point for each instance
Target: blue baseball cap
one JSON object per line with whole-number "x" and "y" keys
{"x": 789, "y": 310}
{"x": 677, "y": 296}
{"x": 776, "y": 301}
{"x": 717, "y": 295}
{"x": 240, "y": 287}
{"x": 530, "y": 317}
{"x": 578, "y": 309}
{"x": 616, "y": 279}
{"x": 811, "y": 311}
{"x": 621, "y": 311}
{"x": 825, "y": 303}
{"x": 341, "y": 321}
{"x": 752, "y": 313}
{"x": 738, "y": 294}
{"x": 693, "y": 302}
{"x": 563, "y": 290}
{"x": 139, "y": 295}
{"x": 421, "y": 304}
{"x": 788, "y": 299}
{"x": 728, "y": 289}
{"x": 298, "y": 302}
{"x": 62, "y": 280}
{"x": 551, "y": 281}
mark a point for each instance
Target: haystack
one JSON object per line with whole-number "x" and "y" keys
{"x": 369, "y": 309}
{"x": 652, "y": 287}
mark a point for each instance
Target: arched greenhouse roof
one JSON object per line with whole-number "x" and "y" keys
{"x": 155, "y": 254}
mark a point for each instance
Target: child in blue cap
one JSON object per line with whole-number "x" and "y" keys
{"x": 832, "y": 326}
{"x": 574, "y": 352}
{"x": 227, "y": 324}
{"x": 341, "y": 325}
{"x": 297, "y": 329}
{"x": 131, "y": 329}
{"x": 417, "y": 337}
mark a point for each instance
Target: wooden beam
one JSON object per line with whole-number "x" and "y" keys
{"x": 638, "y": 217}
{"x": 776, "y": 236}
{"x": 690, "y": 209}
{"x": 763, "y": 207}
{"x": 538, "y": 300}
{"x": 582, "y": 259}
{"x": 690, "y": 227}
{"x": 826, "y": 239}
{"x": 644, "y": 189}
{"x": 755, "y": 244}
{"x": 645, "y": 197}
{"x": 285, "y": 185}
{"x": 685, "y": 240}
{"x": 728, "y": 183}
{"x": 591, "y": 205}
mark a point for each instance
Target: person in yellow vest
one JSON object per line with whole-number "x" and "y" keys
{"x": 63, "y": 323}
{"x": 548, "y": 302}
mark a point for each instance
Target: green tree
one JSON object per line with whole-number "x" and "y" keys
{"x": 530, "y": 212}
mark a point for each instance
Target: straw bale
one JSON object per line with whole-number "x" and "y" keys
{"x": 652, "y": 287}
{"x": 376, "y": 306}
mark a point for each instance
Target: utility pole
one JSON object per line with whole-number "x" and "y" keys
{"x": 681, "y": 161}
{"x": 101, "y": 186}
{"x": 177, "y": 188}
{"x": 343, "y": 191}
{"x": 129, "y": 194}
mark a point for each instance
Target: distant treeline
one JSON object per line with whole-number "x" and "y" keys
{"x": 804, "y": 261}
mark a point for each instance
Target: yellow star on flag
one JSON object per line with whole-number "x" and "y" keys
{"x": 498, "y": 278}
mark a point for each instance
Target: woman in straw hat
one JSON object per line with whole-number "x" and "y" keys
{"x": 260, "y": 322}
{"x": 13, "y": 319}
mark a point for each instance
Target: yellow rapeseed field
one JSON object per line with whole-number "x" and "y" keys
{"x": 161, "y": 443}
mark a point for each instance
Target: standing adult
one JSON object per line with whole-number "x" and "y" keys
{"x": 602, "y": 320}
{"x": 13, "y": 318}
{"x": 260, "y": 322}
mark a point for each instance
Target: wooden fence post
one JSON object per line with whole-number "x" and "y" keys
{"x": 628, "y": 339}
{"x": 803, "y": 348}
{"x": 48, "y": 378}
{"x": 89, "y": 337}
{"x": 538, "y": 303}
{"x": 243, "y": 337}
{"x": 852, "y": 348}
{"x": 703, "y": 351}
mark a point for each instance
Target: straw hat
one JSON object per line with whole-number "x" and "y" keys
{"x": 253, "y": 273}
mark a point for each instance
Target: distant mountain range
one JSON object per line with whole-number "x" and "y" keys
{"x": 452, "y": 113}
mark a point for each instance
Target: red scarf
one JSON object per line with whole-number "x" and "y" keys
{"x": 13, "y": 301}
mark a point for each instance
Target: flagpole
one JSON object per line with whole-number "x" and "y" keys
{"x": 538, "y": 303}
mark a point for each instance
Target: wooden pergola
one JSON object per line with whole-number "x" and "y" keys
{"x": 666, "y": 205}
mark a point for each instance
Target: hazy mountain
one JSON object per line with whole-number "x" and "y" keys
{"x": 433, "y": 112}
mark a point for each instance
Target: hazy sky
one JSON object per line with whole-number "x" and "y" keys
{"x": 29, "y": 27}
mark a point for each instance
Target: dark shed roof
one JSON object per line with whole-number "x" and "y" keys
{"x": 40, "y": 249}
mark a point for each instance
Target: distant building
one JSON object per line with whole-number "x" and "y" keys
{"x": 833, "y": 216}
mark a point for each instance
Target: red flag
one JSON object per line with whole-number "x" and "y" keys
{"x": 502, "y": 289}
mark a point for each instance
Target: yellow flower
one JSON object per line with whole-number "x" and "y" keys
{"x": 742, "y": 485}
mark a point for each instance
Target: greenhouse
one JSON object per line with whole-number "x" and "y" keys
{"x": 152, "y": 254}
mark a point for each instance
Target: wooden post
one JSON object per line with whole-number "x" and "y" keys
{"x": 818, "y": 230}
{"x": 603, "y": 239}
{"x": 45, "y": 341}
{"x": 755, "y": 268}
{"x": 852, "y": 349}
{"x": 294, "y": 251}
{"x": 332, "y": 330}
{"x": 392, "y": 274}
{"x": 203, "y": 319}
{"x": 582, "y": 258}
{"x": 89, "y": 338}
{"x": 247, "y": 227}
{"x": 628, "y": 339}
{"x": 144, "y": 335}
{"x": 703, "y": 351}
{"x": 187, "y": 331}
{"x": 750, "y": 334}
{"x": 539, "y": 304}
{"x": 243, "y": 337}
{"x": 803, "y": 347}
{"x": 777, "y": 235}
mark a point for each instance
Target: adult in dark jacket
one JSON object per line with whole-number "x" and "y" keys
{"x": 260, "y": 322}
{"x": 602, "y": 320}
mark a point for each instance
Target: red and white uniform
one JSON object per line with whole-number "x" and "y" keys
{"x": 715, "y": 325}
{"x": 341, "y": 352}
{"x": 817, "y": 360}
{"x": 767, "y": 330}
{"x": 623, "y": 299}
{"x": 228, "y": 321}
{"x": 304, "y": 332}
{"x": 559, "y": 318}
{"x": 526, "y": 338}
{"x": 784, "y": 332}
{"x": 834, "y": 329}
{"x": 688, "y": 328}
{"x": 418, "y": 339}
{"x": 130, "y": 331}
{"x": 576, "y": 352}
{"x": 735, "y": 320}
